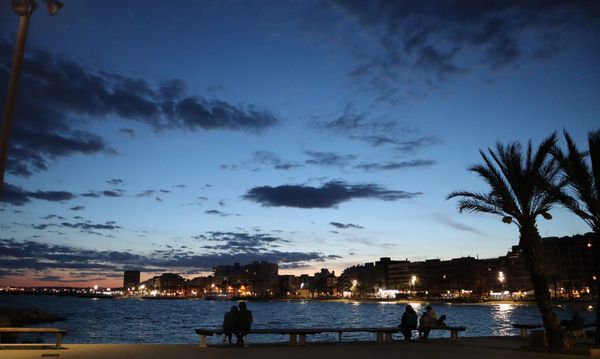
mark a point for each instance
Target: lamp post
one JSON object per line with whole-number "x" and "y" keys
{"x": 24, "y": 9}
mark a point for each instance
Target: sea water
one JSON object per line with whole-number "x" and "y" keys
{"x": 173, "y": 321}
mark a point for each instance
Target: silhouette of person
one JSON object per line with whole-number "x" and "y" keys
{"x": 429, "y": 319}
{"x": 229, "y": 323}
{"x": 408, "y": 322}
{"x": 243, "y": 322}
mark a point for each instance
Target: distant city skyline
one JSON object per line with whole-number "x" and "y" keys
{"x": 310, "y": 134}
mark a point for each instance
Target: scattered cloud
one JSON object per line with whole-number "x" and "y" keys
{"x": 328, "y": 159}
{"x": 345, "y": 225}
{"x": 146, "y": 193}
{"x": 457, "y": 225}
{"x": 329, "y": 195}
{"x": 115, "y": 182}
{"x": 263, "y": 158}
{"x": 429, "y": 42}
{"x": 390, "y": 166}
{"x": 52, "y": 216}
{"x": 220, "y": 213}
{"x": 239, "y": 242}
{"x": 376, "y": 132}
{"x": 25, "y": 257}
{"x": 106, "y": 193}
{"x": 111, "y": 225}
{"x": 77, "y": 208}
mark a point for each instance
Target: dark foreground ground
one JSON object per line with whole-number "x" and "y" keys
{"x": 466, "y": 348}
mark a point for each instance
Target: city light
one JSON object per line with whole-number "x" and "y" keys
{"x": 501, "y": 277}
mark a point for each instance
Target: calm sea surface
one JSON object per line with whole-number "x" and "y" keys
{"x": 174, "y": 321}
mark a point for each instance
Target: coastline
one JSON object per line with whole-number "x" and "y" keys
{"x": 466, "y": 348}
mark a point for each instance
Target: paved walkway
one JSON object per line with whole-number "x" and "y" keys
{"x": 467, "y": 348}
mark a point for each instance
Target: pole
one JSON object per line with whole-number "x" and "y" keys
{"x": 11, "y": 94}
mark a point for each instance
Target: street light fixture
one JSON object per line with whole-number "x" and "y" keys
{"x": 24, "y": 9}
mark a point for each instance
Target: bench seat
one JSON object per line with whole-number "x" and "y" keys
{"x": 298, "y": 335}
{"x": 526, "y": 327}
{"x": 20, "y": 330}
{"x": 453, "y": 331}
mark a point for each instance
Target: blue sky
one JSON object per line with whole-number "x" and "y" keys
{"x": 315, "y": 133}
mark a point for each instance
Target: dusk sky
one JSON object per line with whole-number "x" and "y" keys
{"x": 178, "y": 135}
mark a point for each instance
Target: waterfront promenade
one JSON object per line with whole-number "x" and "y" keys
{"x": 467, "y": 348}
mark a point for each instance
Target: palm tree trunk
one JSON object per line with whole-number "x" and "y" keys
{"x": 531, "y": 244}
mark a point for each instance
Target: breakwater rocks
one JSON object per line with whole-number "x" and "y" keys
{"x": 16, "y": 317}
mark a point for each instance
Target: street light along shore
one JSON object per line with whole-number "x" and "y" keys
{"x": 24, "y": 9}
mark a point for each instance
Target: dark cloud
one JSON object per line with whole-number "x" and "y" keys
{"x": 328, "y": 159}
{"x": 63, "y": 95}
{"x": 111, "y": 225}
{"x": 390, "y": 166}
{"x": 345, "y": 225}
{"x": 77, "y": 208}
{"x": 113, "y": 193}
{"x": 328, "y": 195}
{"x": 17, "y": 196}
{"x": 52, "y": 216}
{"x": 106, "y": 193}
{"x": 377, "y": 132}
{"x": 430, "y": 41}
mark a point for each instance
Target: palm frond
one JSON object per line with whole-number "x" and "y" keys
{"x": 522, "y": 184}
{"x": 482, "y": 200}
{"x": 581, "y": 178}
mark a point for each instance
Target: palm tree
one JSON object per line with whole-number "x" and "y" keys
{"x": 520, "y": 186}
{"x": 584, "y": 201}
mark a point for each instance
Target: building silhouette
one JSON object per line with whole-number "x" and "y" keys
{"x": 131, "y": 279}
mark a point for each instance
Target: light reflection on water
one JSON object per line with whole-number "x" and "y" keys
{"x": 174, "y": 321}
{"x": 502, "y": 316}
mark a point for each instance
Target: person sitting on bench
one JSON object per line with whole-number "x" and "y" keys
{"x": 408, "y": 323}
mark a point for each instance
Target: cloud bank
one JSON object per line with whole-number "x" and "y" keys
{"x": 62, "y": 94}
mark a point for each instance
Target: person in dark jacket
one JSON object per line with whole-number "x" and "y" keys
{"x": 408, "y": 323}
{"x": 229, "y": 323}
{"x": 243, "y": 322}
